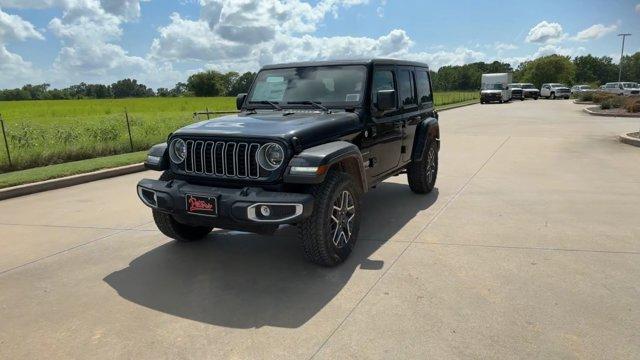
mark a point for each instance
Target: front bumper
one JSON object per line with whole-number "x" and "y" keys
{"x": 237, "y": 209}
{"x": 490, "y": 96}
{"x": 531, "y": 94}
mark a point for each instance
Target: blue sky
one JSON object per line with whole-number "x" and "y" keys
{"x": 161, "y": 42}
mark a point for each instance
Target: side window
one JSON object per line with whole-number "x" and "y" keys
{"x": 422, "y": 85}
{"x": 405, "y": 83}
{"x": 382, "y": 80}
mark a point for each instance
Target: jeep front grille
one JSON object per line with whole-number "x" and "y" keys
{"x": 222, "y": 159}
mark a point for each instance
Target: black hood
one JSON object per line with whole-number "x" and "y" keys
{"x": 309, "y": 127}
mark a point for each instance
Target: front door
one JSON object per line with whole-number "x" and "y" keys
{"x": 385, "y": 130}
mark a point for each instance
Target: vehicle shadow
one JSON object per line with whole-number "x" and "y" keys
{"x": 242, "y": 280}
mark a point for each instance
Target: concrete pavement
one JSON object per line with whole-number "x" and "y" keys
{"x": 529, "y": 248}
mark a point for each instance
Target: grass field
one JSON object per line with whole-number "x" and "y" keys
{"x": 41, "y": 133}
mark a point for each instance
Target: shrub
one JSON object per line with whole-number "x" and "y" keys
{"x": 586, "y": 96}
{"x": 633, "y": 104}
{"x": 599, "y": 97}
{"x": 613, "y": 102}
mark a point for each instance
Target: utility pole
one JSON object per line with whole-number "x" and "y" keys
{"x": 624, "y": 36}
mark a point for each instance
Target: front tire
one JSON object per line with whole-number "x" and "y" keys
{"x": 553, "y": 96}
{"x": 175, "y": 230}
{"x": 422, "y": 174}
{"x": 329, "y": 235}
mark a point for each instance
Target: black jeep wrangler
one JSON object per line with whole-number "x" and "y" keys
{"x": 310, "y": 139}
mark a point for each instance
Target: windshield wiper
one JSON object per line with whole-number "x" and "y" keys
{"x": 267, "y": 102}
{"x": 309, "y": 102}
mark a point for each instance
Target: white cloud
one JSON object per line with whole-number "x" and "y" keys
{"x": 551, "y": 49}
{"x": 595, "y": 32}
{"x": 14, "y": 70}
{"x": 14, "y": 28}
{"x": 545, "y": 32}
{"x": 638, "y": 8}
{"x": 504, "y": 46}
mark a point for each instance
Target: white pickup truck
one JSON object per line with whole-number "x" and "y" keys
{"x": 555, "y": 91}
{"x": 622, "y": 88}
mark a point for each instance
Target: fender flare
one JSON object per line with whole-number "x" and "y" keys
{"x": 323, "y": 157}
{"x": 428, "y": 130}
{"x": 158, "y": 158}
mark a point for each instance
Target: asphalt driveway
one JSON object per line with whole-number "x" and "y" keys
{"x": 529, "y": 248}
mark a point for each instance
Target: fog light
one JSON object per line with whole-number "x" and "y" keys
{"x": 265, "y": 211}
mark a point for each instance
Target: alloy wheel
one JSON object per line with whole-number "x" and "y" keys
{"x": 342, "y": 219}
{"x": 431, "y": 164}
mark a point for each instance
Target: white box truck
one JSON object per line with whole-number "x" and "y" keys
{"x": 495, "y": 87}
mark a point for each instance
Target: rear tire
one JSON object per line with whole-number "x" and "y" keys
{"x": 422, "y": 174}
{"x": 329, "y": 235}
{"x": 175, "y": 230}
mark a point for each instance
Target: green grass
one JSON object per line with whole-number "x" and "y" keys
{"x": 454, "y": 97}
{"x": 71, "y": 168}
{"x": 42, "y": 133}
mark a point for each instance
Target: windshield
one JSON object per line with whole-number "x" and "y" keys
{"x": 558, "y": 85}
{"x": 330, "y": 85}
{"x": 631, "y": 85}
{"x": 492, "y": 87}
{"x": 528, "y": 86}
{"x": 584, "y": 87}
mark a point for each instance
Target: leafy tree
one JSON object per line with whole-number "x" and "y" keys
{"x": 242, "y": 84}
{"x": 547, "y": 69}
{"x": 591, "y": 69}
{"x": 37, "y": 92}
{"x": 180, "y": 89}
{"x": 208, "y": 83}
{"x": 130, "y": 88}
{"x": 630, "y": 68}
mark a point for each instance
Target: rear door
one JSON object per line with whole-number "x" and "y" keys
{"x": 411, "y": 112}
{"x": 424, "y": 110}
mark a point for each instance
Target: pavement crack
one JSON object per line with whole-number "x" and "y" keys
{"x": 426, "y": 226}
{"x": 116, "y": 232}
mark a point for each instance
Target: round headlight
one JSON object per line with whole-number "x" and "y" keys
{"x": 270, "y": 156}
{"x": 178, "y": 151}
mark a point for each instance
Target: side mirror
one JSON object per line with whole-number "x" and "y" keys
{"x": 240, "y": 100}
{"x": 386, "y": 100}
{"x": 621, "y": 87}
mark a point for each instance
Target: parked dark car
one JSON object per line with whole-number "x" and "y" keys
{"x": 309, "y": 140}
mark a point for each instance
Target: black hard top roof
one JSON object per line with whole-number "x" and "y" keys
{"x": 347, "y": 62}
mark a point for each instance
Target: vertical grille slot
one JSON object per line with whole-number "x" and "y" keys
{"x": 242, "y": 160}
{"x": 218, "y": 158}
{"x": 188, "y": 163}
{"x": 223, "y": 159}
{"x": 198, "y": 155}
{"x": 253, "y": 167}
{"x": 229, "y": 159}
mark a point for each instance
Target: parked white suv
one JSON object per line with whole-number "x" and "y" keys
{"x": 622, "y": 88}
{"x": 554, "y": 91}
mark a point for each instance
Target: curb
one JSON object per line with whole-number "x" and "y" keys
{"x": 53, "y": 184}
{"x": 595, "y": 113}
{"x": 629, "y": 140}
{"x": 458, "y": 106}
{"x": 27, "y": 189}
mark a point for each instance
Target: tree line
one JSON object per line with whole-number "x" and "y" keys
{"x": 208, "y": 83}
{"x": 585, "y": 69}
